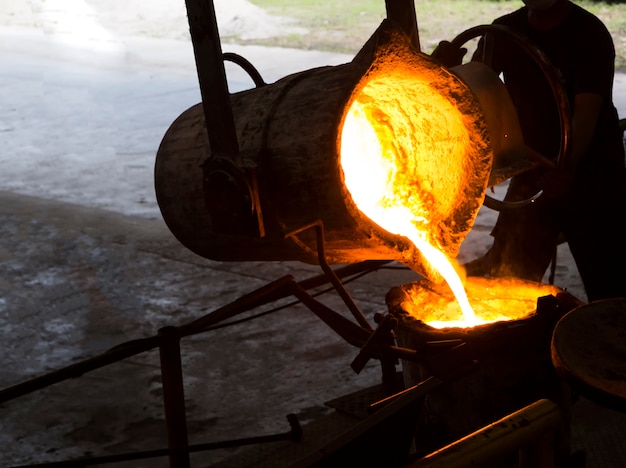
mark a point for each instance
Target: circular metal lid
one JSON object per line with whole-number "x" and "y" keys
{"x": 589, "y": 349}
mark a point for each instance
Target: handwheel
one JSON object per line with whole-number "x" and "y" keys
{"x": 553, "y": 80}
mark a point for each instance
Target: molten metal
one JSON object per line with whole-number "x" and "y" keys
{"x": 405, "y": 159}
{"x": 493, "y": 300}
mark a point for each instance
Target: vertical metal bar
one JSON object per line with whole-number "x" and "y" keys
{"x": 207, "y": 50}
{"x": 403, "y": 13}
{"x": 174, "y": 397}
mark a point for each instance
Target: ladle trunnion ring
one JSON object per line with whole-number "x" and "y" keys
{"x": 288, "y": 173}
{"x": 556, "y": 85}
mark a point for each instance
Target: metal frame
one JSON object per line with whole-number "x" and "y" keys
{"x": 373, "y": 343}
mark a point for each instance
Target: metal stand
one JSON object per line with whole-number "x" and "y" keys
{"x": 168, "y": 342}
{"x": 174, "y": 397}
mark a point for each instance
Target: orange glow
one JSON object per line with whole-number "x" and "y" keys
{"x": 493, "y": 300}
{"x": 404, "y": 155}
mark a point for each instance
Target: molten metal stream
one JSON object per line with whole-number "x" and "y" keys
{"x": 494, "y": 300}
{"x": 397, "y": 159}
{"x": 444, "y": 266}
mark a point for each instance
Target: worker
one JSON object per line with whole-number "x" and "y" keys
{"x": 583, "y": 200}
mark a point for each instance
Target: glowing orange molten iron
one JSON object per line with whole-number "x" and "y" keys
{"x": 384, "y": 164}
{"x": 405, "y": 161}
{"x": 383, "y": 174}
{"x": 492, "y": 301}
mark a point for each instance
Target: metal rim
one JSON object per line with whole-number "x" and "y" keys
{"x": 553, "y": 79}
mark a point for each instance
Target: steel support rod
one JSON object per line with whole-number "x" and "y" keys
{"x": 174, "y": 397}
{"x": 218, "y": 112}
{"x": 318, "y": 225}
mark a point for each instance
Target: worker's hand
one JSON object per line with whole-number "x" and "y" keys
{"x": 556, "y": 183}
{"x": 448, "y": 55}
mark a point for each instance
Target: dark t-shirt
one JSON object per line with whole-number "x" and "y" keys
{"x": 583, "y": 53}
